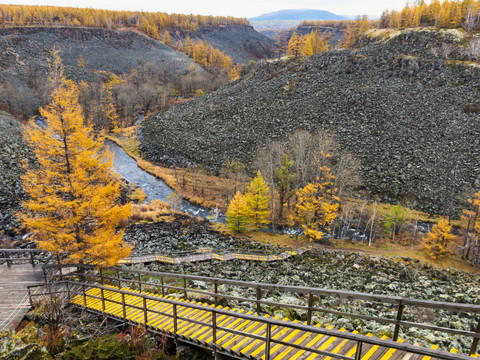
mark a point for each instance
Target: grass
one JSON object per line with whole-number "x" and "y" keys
{"x": 155, "y": 211}
{"x": 195, "y": 185}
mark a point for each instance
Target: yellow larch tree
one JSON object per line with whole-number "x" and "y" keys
{"x": 72, "y": 205}
{"x": 317, "y": 205}
{"x": 438, "y": 239}
{"x": 237, "y": 214}
{"x": 256, "y": 200}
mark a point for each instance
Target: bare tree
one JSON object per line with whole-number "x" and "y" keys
{"x": 472, "y": 19}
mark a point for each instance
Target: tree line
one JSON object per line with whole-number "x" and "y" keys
{"x": 447, "y": 14}
{"x": 211, "y": 59}
{"x": 151, "y": 23}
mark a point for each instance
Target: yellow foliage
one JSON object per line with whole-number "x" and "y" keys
{"x": 438, "y": 239}
{"x": 237, "y": 214}
{"x": 72, "y": 207}
{"x": 256, "y": 200}
{"x": 317, "y": 205}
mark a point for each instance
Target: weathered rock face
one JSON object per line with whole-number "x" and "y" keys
{"x": 412, "y": 120}
{"x": 12, "y": 151}
{"x": 103, "y": 49}
{"x": 241, "y": 43}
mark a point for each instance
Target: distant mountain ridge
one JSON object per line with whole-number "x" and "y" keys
{"x": 299, "y": 14}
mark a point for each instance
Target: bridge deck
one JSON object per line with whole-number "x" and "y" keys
{"x": 13, "y": 293}
{"x": 194, "y": 325}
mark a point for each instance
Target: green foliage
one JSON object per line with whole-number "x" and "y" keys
{"x": 395, "y": 217}
{"x": 285, "y": 178}
{"x": 102, "y": 348}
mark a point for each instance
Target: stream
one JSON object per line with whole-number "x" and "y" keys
{"x": 152, "y": 186}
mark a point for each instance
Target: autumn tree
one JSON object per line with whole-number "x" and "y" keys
{"x": 317, "y": 205}
{"x": 438, "y": 239}
{"x": 395, "y": 217}
{"x": 294, "y": 45}
{"x": 237, "y": 214}
{"x": 256, "y": 200}
{"x": 72, "y": 205}
{"x": 285, "y": 178}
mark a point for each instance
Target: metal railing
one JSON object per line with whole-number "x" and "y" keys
{"x": 10, "y": 256}
{"x": 313, "y": 296}
{"x": 216, "y": 326}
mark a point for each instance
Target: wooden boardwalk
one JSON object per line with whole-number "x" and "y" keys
{"x": 14, "y": 302}
{"x": 245, "y": 335}
{"x": 209, "y": 254}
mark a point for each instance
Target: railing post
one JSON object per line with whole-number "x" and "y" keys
{"x": 119, "y": 281}
{"x": 175, "y": 319}
{"x": 216, "y": 293}
{"x": 473, "y": 349}
{"x": 145, "y": 313}
{"x": 30, "y": 297}
{"x": 163, "y": 284}
{"x": 140, "y": 281}
{"x": 68, "y": 292}
{"x": 31, "y": 259}
{"x": 267, "y": 341}
{"x": 84, "y": 296}
{"x": 358, "y": 352}
{"x": 310, "y": 311}
{"x": 103, "y": 299}
{"x": 185, "y": 288}
{"x": 214, "y": 331}
{"x": 7, "y": 256}
{"x": 259, "y": 296}
{"x": 399, "y": 318}
{"x": 124, "y": 307}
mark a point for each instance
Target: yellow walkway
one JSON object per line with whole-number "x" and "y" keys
{"x": 239, "y": 345}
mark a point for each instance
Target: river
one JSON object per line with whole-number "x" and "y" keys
{"x": 152, "y": 186}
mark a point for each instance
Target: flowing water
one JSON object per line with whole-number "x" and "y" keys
{"x": 152, "y": 186}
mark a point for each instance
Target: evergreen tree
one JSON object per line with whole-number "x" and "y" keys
{"x": 256, "y": 199}
{"x": 285, "y": 179}
{"x": 237, "y": 214}
{"x": 72, "y": 205}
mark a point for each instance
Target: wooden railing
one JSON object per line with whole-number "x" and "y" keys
{"x": 313, "y": 297}
{"x": 70, "y": 286}
{"x": 10, "y": 256}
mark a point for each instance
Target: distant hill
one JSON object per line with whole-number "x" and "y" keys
{"x": 299, "y": 14}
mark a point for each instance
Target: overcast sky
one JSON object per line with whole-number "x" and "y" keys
{"x": 242, "y": 8}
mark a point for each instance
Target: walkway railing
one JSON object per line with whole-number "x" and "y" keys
{"x": 140, "y": 304}
{"x": 11, "y": 256}
{"x": 170, "y": 282}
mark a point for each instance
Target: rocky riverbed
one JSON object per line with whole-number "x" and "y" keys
{"x": 325, "y": 269}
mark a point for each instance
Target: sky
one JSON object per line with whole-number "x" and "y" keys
{"x": 242, "y": 8}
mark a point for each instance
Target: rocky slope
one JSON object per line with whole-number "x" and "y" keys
{"x": 400, "y": 104}
{"x": 241, "y": 43}
{"x": 13, "y": 150}
{"x": 102, "y": 49}
{"x": 24, "y": 52}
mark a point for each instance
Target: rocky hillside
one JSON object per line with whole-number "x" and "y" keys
{"x": 12, "y": 151}
{"x": 24, "y": 52}
{"x": 401, "y": 104}
{"x": 109, "y": 50}
{"x": 242, "y": 43}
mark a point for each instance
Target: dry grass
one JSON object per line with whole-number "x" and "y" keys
{"x": 194, "y": 185}
{"x": 152, "y": 212}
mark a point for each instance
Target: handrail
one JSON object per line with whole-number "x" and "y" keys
{"x": 8, "y": 259}
{"x": 310, "y": 292}
{"x": 360, "y": 339}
